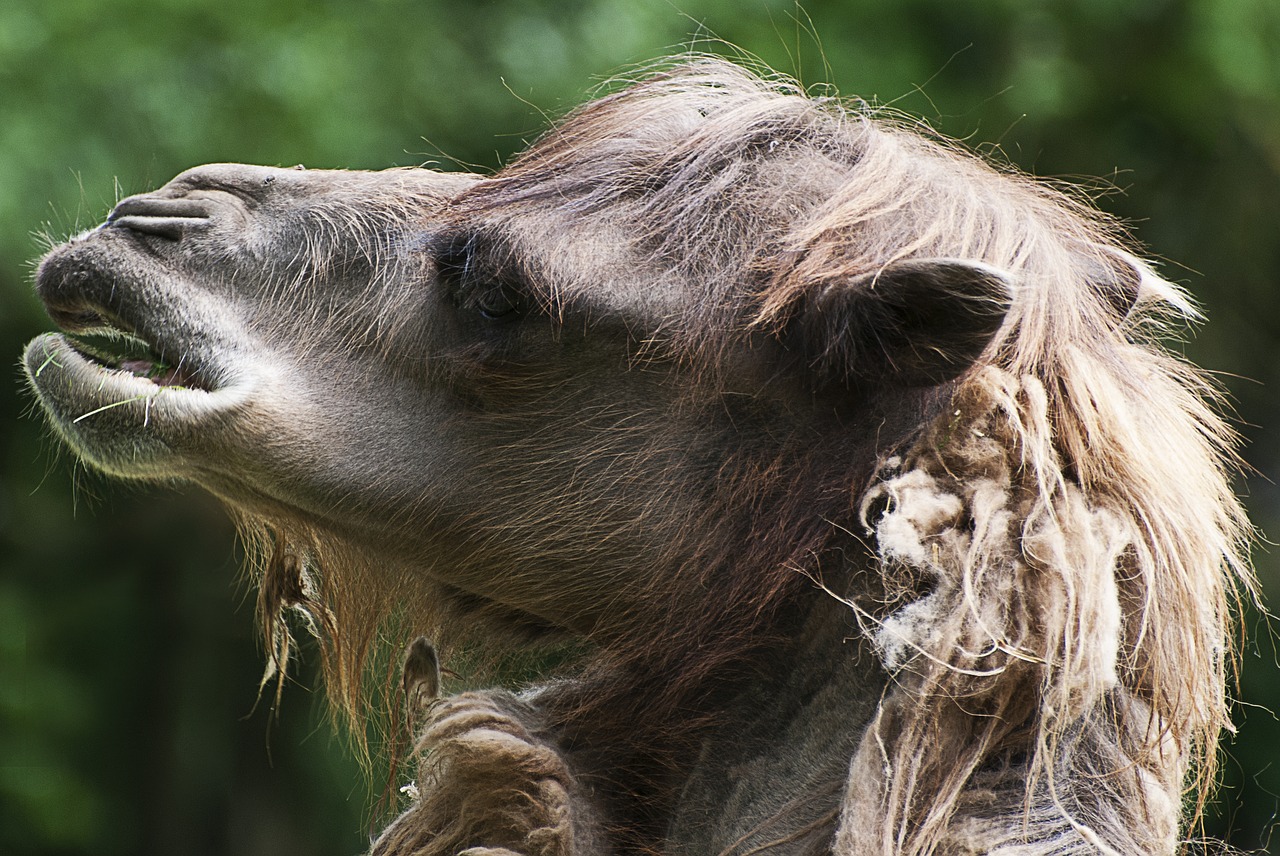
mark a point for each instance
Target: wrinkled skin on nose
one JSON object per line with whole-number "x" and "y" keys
{"x": 213, "y": 316}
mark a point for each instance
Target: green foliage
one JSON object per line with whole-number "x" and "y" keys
{"x": 127, "y": 664}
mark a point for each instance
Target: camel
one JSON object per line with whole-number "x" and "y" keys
{"x": 848, "y": 468}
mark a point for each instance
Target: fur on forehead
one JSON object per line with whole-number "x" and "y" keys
{"x": 740, "y": 194}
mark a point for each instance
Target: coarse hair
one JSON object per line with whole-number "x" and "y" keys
{"x": 1057, "y": 549}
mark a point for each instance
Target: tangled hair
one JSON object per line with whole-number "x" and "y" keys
{"x": 1070, "y": 518}
{"x": 1057, "y": 548}
{"x": 1066, "y": 635}
{"x": 1072, "y": 522}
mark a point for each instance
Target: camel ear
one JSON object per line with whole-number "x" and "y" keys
{"x": 917, "y": 322}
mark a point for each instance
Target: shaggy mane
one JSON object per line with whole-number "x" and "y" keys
{"x": 1059, "y": 547}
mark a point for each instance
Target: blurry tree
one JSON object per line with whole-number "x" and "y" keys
{"x": 127, "y": 660}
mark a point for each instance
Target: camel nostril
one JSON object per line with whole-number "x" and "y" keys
{"x": 165, "y": 218}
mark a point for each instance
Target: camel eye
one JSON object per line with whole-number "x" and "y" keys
{"x": 498, "y": 303}
{"x": 478, "y": 278}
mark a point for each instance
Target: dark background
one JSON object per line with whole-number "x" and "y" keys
{"x": 128, "y": 663}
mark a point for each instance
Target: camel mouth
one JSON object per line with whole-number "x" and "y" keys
{"x": 107, "y": 344}
{"x": 98, "y": 369}
{"x": 113, "y": 348}
{"x": 136, "y": 388}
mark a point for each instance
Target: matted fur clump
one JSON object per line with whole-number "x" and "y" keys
{"x": 1037, "y": 648}
{"x": 851, "y": 467}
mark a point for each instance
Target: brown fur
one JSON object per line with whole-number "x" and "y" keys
{"x": 1024, "y": 525}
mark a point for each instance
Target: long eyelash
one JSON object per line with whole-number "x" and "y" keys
{"x": 474, "y": 267}
{"x": 454, "y": 255}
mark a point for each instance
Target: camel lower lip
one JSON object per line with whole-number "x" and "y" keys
{"x": 126, "y": 423}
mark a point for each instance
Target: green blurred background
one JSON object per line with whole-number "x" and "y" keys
{"x": 128, "y": 663}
